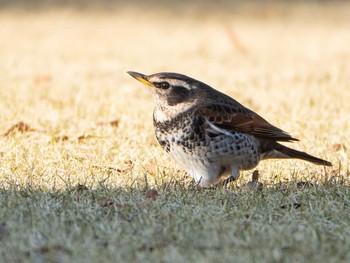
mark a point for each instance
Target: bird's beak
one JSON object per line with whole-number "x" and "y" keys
{"x": 140, "y": 77}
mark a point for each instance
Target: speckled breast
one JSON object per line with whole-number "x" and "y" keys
{"x": 190, "y": 140}
{"x": 184, "y": 131}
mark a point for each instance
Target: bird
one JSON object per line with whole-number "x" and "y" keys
{"x": 209, "y": 134}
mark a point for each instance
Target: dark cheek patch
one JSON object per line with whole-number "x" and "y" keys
{"x": 177, "y": 95}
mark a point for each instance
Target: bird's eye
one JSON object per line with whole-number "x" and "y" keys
{"x": 161, "y": 85}
{"x": 164, "y": 85}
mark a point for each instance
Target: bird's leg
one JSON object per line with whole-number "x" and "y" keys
{"x": 233, "y": 177}
{"x": 197, "y": 184}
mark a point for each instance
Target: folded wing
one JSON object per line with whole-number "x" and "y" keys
{"x": 241, "y": 119}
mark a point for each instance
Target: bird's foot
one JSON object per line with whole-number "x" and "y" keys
{"x": 229, "y": 180}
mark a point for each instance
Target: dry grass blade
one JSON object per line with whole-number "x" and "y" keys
{"x": 114, "y": 123}
{"x": 305, "y": 184}
{"x": 106, "y": 202}
{"x": 113, "y": 169}
{"x": 63, "y": 70}
{"x": 19, "y": 127}
{"x": 235, "y": 40}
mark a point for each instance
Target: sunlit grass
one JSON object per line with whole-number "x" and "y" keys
{"x": 74, "y": 187}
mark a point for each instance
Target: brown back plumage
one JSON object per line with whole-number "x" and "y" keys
{"x": 241, "y": 119}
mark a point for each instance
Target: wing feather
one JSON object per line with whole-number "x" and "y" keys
{"x": 241, "y": 119}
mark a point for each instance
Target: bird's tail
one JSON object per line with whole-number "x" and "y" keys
{"x": 291, "y": 153}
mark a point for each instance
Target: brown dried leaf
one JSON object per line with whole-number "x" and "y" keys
{"x": 128, "y": 162}
{"x": 127, "y": 167}
{"x": 53, "y": 250}
{"x": 55, "y": 253}
{"x": 153, "y": 247}
{"x": 335, "y": 172}
{"x": 19, "y": 127}
{"x": 61, "y": 138}
{"x": 338, "y": 147}
{"x": 152, "y": 167}
{"x": 105, "y": 202}
{"x": 152, "y": 193}
{"x": 80, "y": 189}
{"x": 85, "y": 137}
{"x": 114, "y": 123}
{"x": 255, "y": 176}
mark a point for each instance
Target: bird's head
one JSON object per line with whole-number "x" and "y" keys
{"x": 173, "y": 93}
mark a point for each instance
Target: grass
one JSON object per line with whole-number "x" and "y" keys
{"x": 75, "y": 178}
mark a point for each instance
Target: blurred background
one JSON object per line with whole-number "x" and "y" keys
{"x": 66, "y": 61}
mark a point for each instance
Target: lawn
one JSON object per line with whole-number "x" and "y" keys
{"x": 82, "y": 177}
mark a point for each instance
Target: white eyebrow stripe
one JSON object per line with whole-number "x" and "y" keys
{"x": 179, "y": 83}
{"x": 173, "y": 82}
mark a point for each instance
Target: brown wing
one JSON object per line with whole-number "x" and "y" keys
{"x": 241, "y": 119}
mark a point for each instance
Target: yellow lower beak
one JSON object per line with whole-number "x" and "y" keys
{"x": 140, "y": 77}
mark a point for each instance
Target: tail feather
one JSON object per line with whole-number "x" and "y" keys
{"x": 291, "y": 153}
